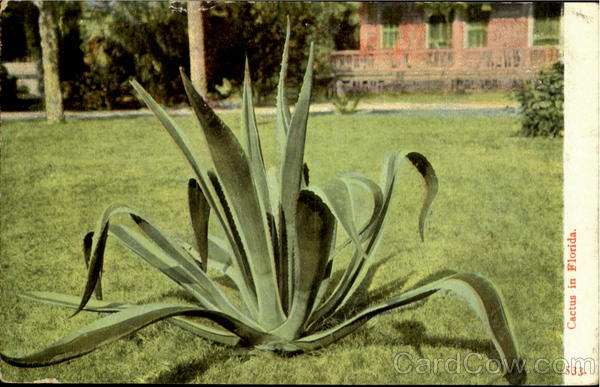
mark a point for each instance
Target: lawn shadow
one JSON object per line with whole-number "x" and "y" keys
{"x": 413, "y": 333}
{"x": 188, "y": 371}
{"x": 394, "y": 287}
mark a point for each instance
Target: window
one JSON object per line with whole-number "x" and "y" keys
{"x": 476, "y": 34}
{"x": 546, "y": 24}
{"x": 477, "y": 23}
{"x": 390, "y": 23}
{"x": 440, "y": 32}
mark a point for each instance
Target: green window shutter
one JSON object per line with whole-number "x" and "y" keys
{"x": 546, "y": 32}
{"x": 476, "y": 34}
{"x": 440, "y": 32}
{"x": 390, "y": 23}
{"x": 435, "y": 35}
{"x": 546, "y": 24}
{"x": 389, "y": 36}
{"x": 478, "y": 16}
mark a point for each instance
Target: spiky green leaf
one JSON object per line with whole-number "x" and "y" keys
{"x": 87, "y": 252}
{"x": 204, "y": 180}
{"x": 425, "y": 168}
{"x": 315, "y": 227}
{"x": 239, "y": 188}
{"x": 191, "y": 278}
{"x": 293, "y": 162}
{"x": 196, "y": 327}
{"x": 121, "y": 324}
{"x": 478, "y": 292}
{"x": 199, "y": 216}
{"x": 72, "y": 302}
{"x": 99, "y": 333}
{"x": 282, "y": 109}
{"x": 253, "y": 146}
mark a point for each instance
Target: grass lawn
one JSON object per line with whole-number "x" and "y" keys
{"x": 498, "y": 212}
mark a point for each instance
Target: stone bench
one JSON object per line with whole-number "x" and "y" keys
{"x": 28, "y": 76}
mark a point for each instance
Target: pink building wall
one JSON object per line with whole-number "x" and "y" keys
{"x": 507, "y": 28}
{"x": 369, "y": 32}
{"x": 458, "y": 32}
{"x": 413, "y": 30}
{"x": 506, "y": 60}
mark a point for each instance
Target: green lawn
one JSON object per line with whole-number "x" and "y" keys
{"x": 498, "y": 212}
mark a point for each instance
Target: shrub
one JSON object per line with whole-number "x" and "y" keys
{"x": 104, "y": 83}
{"x": 542, "y": 103}
{"x": 346, "y": 103}
{"x": 133, "y": 39}
{"x": 256, "y": 28}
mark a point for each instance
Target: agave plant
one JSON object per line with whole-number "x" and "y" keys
{"x": 277, "y": 249}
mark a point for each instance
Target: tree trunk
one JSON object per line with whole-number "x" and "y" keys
{"x": 3, "y": 5}
{"x": 196, "y": 41}
{"x": 49, "y": 43}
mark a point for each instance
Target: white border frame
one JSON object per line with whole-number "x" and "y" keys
{"x": 581, "y": 208}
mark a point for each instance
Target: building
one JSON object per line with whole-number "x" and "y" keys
{"x": 417, "y": 45}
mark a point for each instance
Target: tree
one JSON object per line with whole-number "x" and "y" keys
{"x": 20, "y": 32}
{"x": 196, "y": 43}
{"x": 49, "y": 42}
{"x": 446, "y": 8}
{"x": 3, "y": 5}
{"x": 257, "y": 30}
{"x": 145, "y": 40}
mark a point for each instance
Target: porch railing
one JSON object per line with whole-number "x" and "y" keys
{"x": 468, "y": 59}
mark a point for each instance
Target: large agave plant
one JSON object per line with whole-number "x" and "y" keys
{"x": 278, "y": 247}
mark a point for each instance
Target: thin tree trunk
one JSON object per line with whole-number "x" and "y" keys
{"x": 3, "y": 5}
{"x": 49, "y": 43}
{"x": 196, "y": 41}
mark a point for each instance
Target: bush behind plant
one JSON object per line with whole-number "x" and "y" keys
{"x": 142, "y": 40}
{"x": 155, "y": 37}
{"x": 542, "y": 103}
